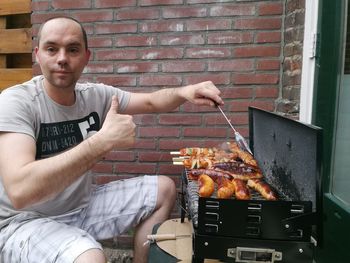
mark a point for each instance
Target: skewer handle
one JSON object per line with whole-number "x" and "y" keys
{"x": 160, "y": 237}
{"x": 175, "y": 153}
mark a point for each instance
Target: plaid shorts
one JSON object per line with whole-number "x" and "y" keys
{"x": 113, "y": 209}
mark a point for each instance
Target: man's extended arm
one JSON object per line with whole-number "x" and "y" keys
{"x": 168, "y": 99}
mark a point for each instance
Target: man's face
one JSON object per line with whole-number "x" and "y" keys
{"x": 61, "y": 53}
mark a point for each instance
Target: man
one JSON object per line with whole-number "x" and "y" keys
{"x": 52, "y": 131}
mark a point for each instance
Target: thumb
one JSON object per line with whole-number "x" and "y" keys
{"x": 114, "y": 104}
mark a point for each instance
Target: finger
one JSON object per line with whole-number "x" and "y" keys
{"x": 114, "y": 104}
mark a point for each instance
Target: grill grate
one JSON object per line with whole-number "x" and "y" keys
{"x": 192, "y": 195}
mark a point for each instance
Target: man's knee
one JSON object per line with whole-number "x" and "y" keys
{"x": 91, "y": 256}
{"x": 166, "y": 190}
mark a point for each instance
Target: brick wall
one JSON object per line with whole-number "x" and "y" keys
{"x": 289, "y": 102}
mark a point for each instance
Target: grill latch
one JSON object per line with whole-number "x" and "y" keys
{"x": 254, "y": 255}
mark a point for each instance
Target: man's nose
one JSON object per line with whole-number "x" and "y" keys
{"x": 62, "y": 57}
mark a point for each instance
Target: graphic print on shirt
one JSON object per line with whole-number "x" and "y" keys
{"x": 59, "y": 136}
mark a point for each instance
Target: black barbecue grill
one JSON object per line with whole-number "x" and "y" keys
{"x": 257, "y": 230}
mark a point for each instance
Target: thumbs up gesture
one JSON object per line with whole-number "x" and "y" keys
{"x": 118, "y": 130}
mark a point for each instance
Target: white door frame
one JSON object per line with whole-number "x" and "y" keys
{"x": 308, "y": 67}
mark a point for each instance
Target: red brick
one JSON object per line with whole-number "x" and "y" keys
{"x": 268, "y": 64}
{"x": 102, "y": 168}
{"x": 117, "y": 80}
{"x": 223, "y": 38}
{"x": 266, "y": 92}
{"x": 93, "y": 16}
{"x": 154, "y": 157}
{"x": 135, "y": 169}
{"x": 158, "y": 131}
{"x": 160, "y": 80}
{"x": 205, "y": 132}
{"x": 40, "y": 6}
{"x": 162, "y": 26}
{"x": 38, "y": 18}
{"x": 181, "y": 40}
{"x": 145, "y": 119}
{"x": 268, "y": 37}
{"x": 159, "y": 2}
{"x": 116, "y": 28}
{"x": 209, "y": 52}
{"x": 120, "y": 156}
{"x": 208, "y": 24}
{"x": 270, "y": 9}
{"x": 99, "y": 42}
{"x": 242, "y": 106}
{"x": 161, "y": 53}
{"x": 177, "y": 119}
{"x": 113, "y": 3}
{"x": 232, "y": 10}
{"x": 237, "y": 92}
{"x": 119, "y": 54}
{"x": 236, "y": 119}
{"x": 231, "y": 65}
{"x": 255, "y": 78}
{"x": 137, "y": 14}
{"x": 133, "y": 67}
{"x": 183, "y": 66}
{"x": 98, "y": 67}
{"x": 69, "y": 4}
{"x": 179, "y": 12}
{"x": 258, "y": 23}
{"x": 222, "y": 78}
{"x": 175, "y": 145}
{"x": 170, "y": 169}
{"x": 257, "y": 51}
{"x": 133, "y": 41}
{"x": 142, "y": 143}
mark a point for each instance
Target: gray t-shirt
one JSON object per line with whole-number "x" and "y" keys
{"x": 27, "y": 109}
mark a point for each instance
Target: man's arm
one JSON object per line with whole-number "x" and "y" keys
{"x": 168, "y": 99}
{"x": 28, "y": 181}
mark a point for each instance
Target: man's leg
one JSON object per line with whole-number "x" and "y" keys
{"x": 165, "y": 202}
{"x": 46, "y": 240}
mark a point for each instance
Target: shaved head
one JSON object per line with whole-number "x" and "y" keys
{"x": 84, "y": 35}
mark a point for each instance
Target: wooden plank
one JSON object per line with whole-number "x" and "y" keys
{"x": 10, "y": 77}
{"x": 12, "y": 7}
{"x": 15, "y": 41}
{"x": 3, "y": 61}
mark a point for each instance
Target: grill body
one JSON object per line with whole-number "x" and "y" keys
{"x": 257, "y": 230}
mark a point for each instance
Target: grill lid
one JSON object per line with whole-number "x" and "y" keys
{"x": 288, "y": 153}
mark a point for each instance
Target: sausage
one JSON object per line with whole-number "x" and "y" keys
{"x": 206, "y": 185}
{"x": 214, "y": 174}
{"x": 226, "y": 188}
{"x": 263, "y": 188}
{"x": 243, "y": 155}
{"x": 241, "y": 190}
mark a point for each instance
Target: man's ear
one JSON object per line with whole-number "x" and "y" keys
{"x": 88, "y": 54}
{"x": 36, "y": 49}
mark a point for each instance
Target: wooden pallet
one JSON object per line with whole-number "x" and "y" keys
{"x": 15, "y": 42}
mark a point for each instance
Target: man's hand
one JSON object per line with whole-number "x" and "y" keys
{"x": 118, "y": 130}
{"x": 204, "y": 93}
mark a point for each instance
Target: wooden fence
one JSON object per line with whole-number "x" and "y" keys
{"x": 15, "y": 42}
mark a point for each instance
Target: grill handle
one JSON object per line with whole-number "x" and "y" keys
{"x": 254, "y": 255}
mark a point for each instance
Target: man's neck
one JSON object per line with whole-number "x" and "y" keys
{"x": 62, "y": 96}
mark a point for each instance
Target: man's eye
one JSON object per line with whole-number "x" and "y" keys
{"x": 74, "y": 50}
{"x": 51, "y": 49}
